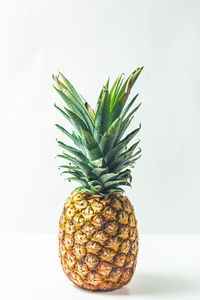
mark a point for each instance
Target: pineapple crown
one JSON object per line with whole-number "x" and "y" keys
{"x": 101, "y": 159}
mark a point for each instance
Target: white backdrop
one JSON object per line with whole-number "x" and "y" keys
{"x": 88, "y": 41}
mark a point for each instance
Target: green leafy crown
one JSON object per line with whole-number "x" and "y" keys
{"x": 100, "y": 159}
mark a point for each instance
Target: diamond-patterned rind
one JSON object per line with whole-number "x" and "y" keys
{"x": 98, "y": 240}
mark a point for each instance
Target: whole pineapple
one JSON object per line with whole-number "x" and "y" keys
{"x": 98, "y": 238}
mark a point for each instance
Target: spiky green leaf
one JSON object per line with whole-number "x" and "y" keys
{"x": 80, "y": 164}
{"x": 71, "y": 89}
{"x": 76, "y": 141}
{"x": 115, "y": 152}
{"x": 62, "y": 112}
{"x": 99, "y": 171}
{"x": 114, "y": 190}
{"x": 72, "y": 105}
{"x": 128, "y": 84}
{"x": 83, "y": 182}
{"x": 90, "y": 111}
{"x": 108, "y": 177}
{"x": 114, "y": 183}
{"x": 123, "y": 95}
{"x": 127, "y": 107}
{"x": 128, "y": 163}
{"x": 91, "y": 145}
{"x": 77, "y": 122}
{"x": 115, "y": 89}
{"x": 109, "y": 138}
{"x": 123, "y": 157}
{"x": 102, "y": 117}
{"x": 74, "y": 151}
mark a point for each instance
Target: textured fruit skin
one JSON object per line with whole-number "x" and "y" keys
{"x": 98, "y": 240}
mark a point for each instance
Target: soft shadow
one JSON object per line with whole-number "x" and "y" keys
{"x": 154, "y": 284}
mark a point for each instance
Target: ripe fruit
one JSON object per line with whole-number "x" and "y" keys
{"x": 98, "y": 239}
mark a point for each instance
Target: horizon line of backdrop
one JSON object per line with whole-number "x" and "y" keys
{"x": 88, "y": 41}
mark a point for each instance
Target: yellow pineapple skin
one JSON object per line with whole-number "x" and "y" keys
{"x": 98, "y": 240}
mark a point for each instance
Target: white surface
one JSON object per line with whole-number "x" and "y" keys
{"x": 168, "y": 268}
{"x": 89, "y": 40}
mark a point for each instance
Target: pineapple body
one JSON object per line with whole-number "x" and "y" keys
{"x": 98, "y": 240}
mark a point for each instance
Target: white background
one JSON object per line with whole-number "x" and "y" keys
{"x": 88, "y": 41}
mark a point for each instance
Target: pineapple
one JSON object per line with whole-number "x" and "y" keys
{"x": 98, "y": 238}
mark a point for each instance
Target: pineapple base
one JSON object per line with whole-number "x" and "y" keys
{"x": 98, "y": 240}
